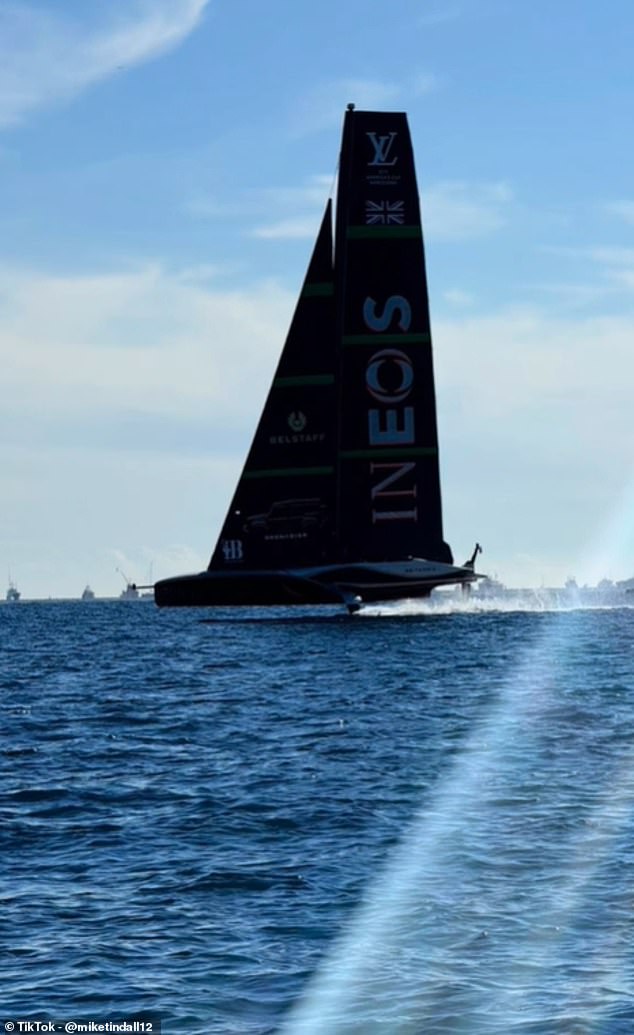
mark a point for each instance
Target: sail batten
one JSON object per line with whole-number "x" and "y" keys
{"x": 384, "y": 233}
{"x": 394, "y": 453}
{"x": 386, "y": 339}
{"x": 311, "y": 290}
{"x": 304, "y": 379}
{"x": 288, "y": 472}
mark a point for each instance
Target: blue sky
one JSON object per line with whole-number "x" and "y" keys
{"x": 164, "y": 165}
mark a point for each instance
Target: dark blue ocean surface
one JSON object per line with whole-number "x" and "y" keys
{"x": 379, "y": 825}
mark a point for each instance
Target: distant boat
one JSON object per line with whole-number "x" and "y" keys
{"x": 130, "y": 592}
{"x": 339, "y": 500}
{"x": 13, "y": 593}
{"x": 88, "y": 594}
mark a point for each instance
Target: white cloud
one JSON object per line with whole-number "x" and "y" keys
{"x": 45, "y": 58}
{"x": 313, "y": 193}
{"x": 287, "y": 229}
{"x": 299, "y": 209}
{"x": 616, "y": 264}
{"x": 422, "y": 83}
{"x": 126, "y": 405}
{"x": 606, "y": 255}
{"x": 145, "y": 342}
{"x": 625, "y": 278}
{"x": 525, "y": 360}
{"x": 79, "y": 513}
{"x": 622, "y": 209}
{"x": 611, "y": 256}
{"x": 454, "y": 210}
{"x": 203, "y": 272}
{"x": 536, "y": 436}
{"x": 308, "y": 201}
{"x": 572, "y": 295}
{"x": 458, "y": 298}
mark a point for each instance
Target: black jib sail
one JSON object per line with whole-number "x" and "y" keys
{"x": 283, "y": 511}
{"x": 339, "y": 498}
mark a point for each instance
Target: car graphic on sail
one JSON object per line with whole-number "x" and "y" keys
{"x": 288, "y": 519}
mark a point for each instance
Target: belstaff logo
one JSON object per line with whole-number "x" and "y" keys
{"x": 382, "y": 149}
{"x": 297, "y": 423}
{"x": 297, "y": 420}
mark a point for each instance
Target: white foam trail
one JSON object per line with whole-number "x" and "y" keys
{"x": 522, "y": 600}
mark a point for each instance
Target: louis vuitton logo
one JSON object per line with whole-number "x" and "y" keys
{"x": 382, "y": 148}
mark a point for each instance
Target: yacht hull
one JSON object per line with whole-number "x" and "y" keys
{"x": 352, "y": 584}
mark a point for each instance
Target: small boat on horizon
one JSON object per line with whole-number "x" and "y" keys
{"x": 13, "y": 593}
{"x": 88, "y": 594}
{"x": 339, "y": 500}
{"x": 133, "y": 591}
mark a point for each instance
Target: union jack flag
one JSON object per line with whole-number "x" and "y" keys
{"x": 385, "y": 212}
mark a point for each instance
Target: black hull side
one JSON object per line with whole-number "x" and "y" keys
{"x": 255, "y": 589}
{"x": 349, "y": 586}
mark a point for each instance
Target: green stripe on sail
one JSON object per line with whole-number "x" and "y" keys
{"x": 384, "y": 232}
{"x": 389, "y": 453}
{"x": 318, "y": 290}
{"x": 386, "y": 339}
{"x": 288, "y": 472}
{"x": 304, "y": 379}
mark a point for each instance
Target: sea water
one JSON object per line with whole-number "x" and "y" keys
{"x": 386, "y": 824}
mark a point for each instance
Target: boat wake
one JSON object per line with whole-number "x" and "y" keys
{"x": 524, "y": 601}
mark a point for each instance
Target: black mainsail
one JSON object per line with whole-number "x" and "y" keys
{"x": 389, "y": 444}
{"x": 339, "y": 499}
